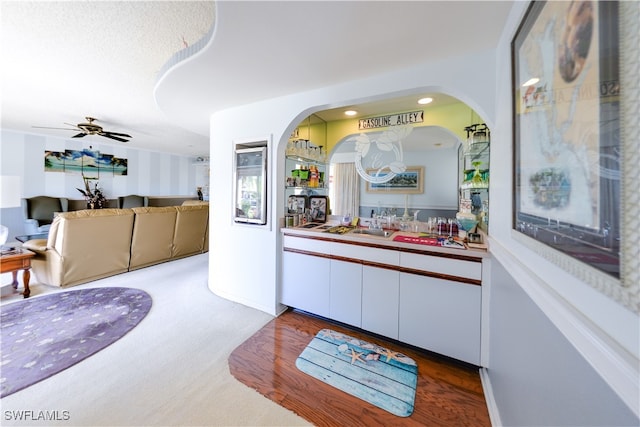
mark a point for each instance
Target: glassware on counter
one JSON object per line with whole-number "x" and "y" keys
{"x": 467, "y": 222}
{"x": 374, "y": 224}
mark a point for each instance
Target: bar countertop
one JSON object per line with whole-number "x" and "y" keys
{"x": 395, "y": 239}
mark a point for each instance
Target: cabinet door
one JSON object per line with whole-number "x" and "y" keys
{"x": 380, "y": 296}
{"x": 441, "y": 315}
{"x": 305, "y": 283}
{"x": 346, "y": 292}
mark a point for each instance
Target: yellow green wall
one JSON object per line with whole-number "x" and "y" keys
{"x": 452, "y": 117}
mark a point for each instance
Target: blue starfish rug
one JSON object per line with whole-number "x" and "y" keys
{"x": 380, "y": 376}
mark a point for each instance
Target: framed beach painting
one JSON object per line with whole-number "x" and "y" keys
{"x": 411, "y": 181}
{"x": 87, "y": 162}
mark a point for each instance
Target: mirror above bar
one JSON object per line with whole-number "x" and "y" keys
{"x": 424, "y": 147}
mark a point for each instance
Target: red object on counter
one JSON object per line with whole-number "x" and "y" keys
{"x": 431, "y": 241}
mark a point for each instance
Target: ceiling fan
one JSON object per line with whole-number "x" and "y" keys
{"x": 90, "y": 128}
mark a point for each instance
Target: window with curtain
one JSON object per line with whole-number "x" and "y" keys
{"x": 345, "y": 189}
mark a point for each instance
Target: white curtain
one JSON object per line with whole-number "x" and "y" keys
{"x": 346, "y": 182}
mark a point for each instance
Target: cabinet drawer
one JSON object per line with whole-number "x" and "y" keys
{"x": 377, "y": 255}
{"x": 303, "y": 244}
{"x": 442, "y": 265}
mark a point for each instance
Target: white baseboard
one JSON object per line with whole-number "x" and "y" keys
{"x": 494, "y": 415}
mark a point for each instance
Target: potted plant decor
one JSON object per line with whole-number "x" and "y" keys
{"x": 95, "y": 199}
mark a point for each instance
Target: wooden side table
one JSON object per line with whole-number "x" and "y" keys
{"x": 20, "y": 259}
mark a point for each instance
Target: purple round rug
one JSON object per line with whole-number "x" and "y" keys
{"x": 45, "y": 335}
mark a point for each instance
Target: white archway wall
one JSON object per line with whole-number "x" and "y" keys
{"x": 256, "y": 285}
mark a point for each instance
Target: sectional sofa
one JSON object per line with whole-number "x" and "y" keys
{"x": 87, "y": 245}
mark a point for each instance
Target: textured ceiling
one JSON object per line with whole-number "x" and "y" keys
{"x": 266, "y": 49}
{"x": 62, "y": 61}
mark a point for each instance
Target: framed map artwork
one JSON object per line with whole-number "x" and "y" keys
{"x": 567, "y": 133}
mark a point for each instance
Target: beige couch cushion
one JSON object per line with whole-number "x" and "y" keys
{"x": 206, "y": 234}
{"x": 195, "y": 202}
{"x": 84, "y": 246}
{"x": 191, "y": 229}
{"x": 152, "y": 239}
{"x": 88, "y": 245}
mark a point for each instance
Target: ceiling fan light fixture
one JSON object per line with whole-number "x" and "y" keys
{"x": 90, "y": 128}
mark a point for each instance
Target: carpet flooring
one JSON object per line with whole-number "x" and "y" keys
{"x": 45, "y": 335}
{"x": 170, "y": 370}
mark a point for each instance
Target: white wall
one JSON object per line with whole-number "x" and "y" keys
{"x": 149, "y": 173}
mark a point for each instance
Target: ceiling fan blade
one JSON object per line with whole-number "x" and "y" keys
{"x": 117, "y": 134}
{"x": 107, "y": 135}
{"x": 80, "y": 135}
{"x": 46, "y": 127}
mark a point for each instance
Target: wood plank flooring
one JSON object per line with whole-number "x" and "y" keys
{"x": 448, "y": 393}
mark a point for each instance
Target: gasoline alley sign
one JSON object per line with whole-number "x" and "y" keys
{"x": 391, "y": 120}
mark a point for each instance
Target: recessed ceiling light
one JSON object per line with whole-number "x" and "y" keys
{"x": 350, "y": 113}
{"x": 531, "y": 82}
{"x": 423, "y": 101}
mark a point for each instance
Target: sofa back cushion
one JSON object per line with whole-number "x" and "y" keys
{"x": 91, "y": 243}
{"x": 205, "y": 247}
{"x": 191, "y": 229}
{"x": 152, "y": 238}
{"x": 195, "y": 203}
